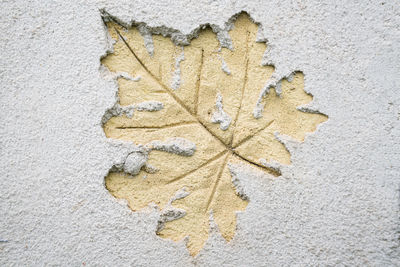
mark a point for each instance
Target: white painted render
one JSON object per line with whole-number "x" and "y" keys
{"x": 336, "y": 204}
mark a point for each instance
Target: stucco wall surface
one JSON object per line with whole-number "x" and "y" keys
{"x": 337, "y": 203}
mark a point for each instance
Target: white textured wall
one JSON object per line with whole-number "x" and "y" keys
{"x": 338, "y": 203}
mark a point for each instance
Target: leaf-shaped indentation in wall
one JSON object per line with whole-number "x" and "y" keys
{"x": 191, "y": 108}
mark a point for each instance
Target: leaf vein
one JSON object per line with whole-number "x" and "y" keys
{"x": 201, "y": 166}
{"x": 214, "y": 189}
{"x": 177, "y": 100}
{"x": 243, "y": 88}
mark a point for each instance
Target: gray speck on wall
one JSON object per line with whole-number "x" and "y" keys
{"x": 149, "y": 106}
{"x": 175, "y": 145}
{"x": 147, "y": 38}
{"x": 224, "y": 66}
{"x": 220, "y": 116}
{"x": 134, "y": 162}
{"x": 176, "y": 78}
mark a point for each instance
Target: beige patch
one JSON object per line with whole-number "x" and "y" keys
{"x": 191, "y": 111}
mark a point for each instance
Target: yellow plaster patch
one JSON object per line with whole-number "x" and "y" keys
{"x": 188, "y": 113}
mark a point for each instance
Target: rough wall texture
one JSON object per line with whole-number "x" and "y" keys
{"x": 338, "y": 203}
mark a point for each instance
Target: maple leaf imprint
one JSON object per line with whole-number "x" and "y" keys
{"x": 193, "y": 126}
